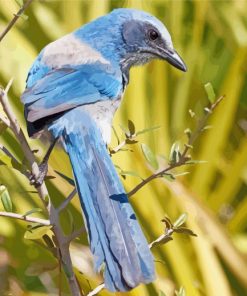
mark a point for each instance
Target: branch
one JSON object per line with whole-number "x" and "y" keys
{"x": 15, "y": 19}
{"x": 74, "y": 235}
{"x": 65, "y": 203}
{"x": 183, "y": 158}
{"x": 25, "y": 218}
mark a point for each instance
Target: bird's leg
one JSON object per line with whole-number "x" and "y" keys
{"x": 43, "y": 167}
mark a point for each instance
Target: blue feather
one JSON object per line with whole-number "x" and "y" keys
{"x": 115, "y": 236}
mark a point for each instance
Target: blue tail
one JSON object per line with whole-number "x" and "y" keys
{"x": 116, "y": 239}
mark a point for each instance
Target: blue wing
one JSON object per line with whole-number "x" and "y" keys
{"x": 65, "y": 88}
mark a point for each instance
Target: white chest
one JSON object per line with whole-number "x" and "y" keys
{"x": 102, "y": 113}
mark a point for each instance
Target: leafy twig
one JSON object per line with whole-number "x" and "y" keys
{"x": 15, "y": 19}
{"x": 183, "y": 158}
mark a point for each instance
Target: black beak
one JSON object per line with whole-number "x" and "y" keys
{"x": 170, "y": 55}
{"x": 173, "y": 58}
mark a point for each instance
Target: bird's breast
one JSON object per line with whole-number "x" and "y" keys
{"x": 102, "y": 113}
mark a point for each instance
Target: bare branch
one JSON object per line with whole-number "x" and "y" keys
{"x": 65, "y": 203}
{"x": 25, "y": 218}
{"x": 15, "y": 19}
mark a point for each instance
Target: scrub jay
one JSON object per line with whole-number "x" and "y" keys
{"x": 72, "y": 92}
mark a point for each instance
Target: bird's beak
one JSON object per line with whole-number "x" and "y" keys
{"x": 173, "y": 58}
{"x": 170, "y": 55}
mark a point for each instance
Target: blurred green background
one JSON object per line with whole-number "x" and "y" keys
{"x": 211, "y": 36}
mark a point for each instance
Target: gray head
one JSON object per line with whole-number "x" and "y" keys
{"x": 147, "y": 38}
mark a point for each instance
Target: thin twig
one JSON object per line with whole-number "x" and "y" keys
{"x": 15, "y": 19}
{"x": 4, "y": 120}
{"x": 25, "y": 218}
{"x": 183, "y": 158}
{"x": 65, "y": 203}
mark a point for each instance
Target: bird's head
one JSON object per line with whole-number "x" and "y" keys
{"x": 131, "y": 37}
{"x": 146, "y": 38}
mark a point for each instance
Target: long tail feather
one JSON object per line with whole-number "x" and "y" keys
{"x": 116, "y": 239}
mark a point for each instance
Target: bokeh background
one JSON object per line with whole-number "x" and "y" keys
{"x": 211, "y": 36}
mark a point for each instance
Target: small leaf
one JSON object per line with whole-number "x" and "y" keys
{"x": 167, "y": 222}
{"x": 184, "y": 230}
{"x": 35, "y": 210}
{"x": 5, "y": 198}
{"x": 181, "y": 219}
{"x": 146, "y": 130}
{"x": 131, "y": 127}
{"x": 210, "y": 92}
{"x": 169, "y": 177}
{"x": 37, "y": 233}
{"x": 150, "y": 157}
{"x": 174, "y": 153}
{"x": 130, "y": 173}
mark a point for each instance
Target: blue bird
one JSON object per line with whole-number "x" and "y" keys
{"x": 72, "y": 92}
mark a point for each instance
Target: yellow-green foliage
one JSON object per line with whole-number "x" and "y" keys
{"x": 211, "y": 36}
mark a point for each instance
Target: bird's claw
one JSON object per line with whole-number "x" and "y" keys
{"x": 38, "y": 181}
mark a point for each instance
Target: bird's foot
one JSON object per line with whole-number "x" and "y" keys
{"x": 38, "y": 181}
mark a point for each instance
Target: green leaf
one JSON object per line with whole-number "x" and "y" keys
{"x": 146, "y": 130}
{"x": 5, "y": 198}
{"x": 130, "y": 173}
{"x": 37, "y": 233}
{"x": 181, "y": 220}
{"x": 150, "y": 157}
{"x": 126, "y": 132}
{"x": 184, "y": 230}
{"x": 161, "y": 293}
{"x": 210, "y": 92}
{"x": 174, "y": 153}
{"x": 131, "y": 127}
{"x": 169, "y": 177}
{"x": 34, "y": 210}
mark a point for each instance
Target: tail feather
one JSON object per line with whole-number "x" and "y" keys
{"x": 116, "y": 239}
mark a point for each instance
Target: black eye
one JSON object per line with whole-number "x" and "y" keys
{"x": 153, "y": 34}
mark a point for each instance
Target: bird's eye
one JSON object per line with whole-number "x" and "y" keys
{"x": 153, "y": 34}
